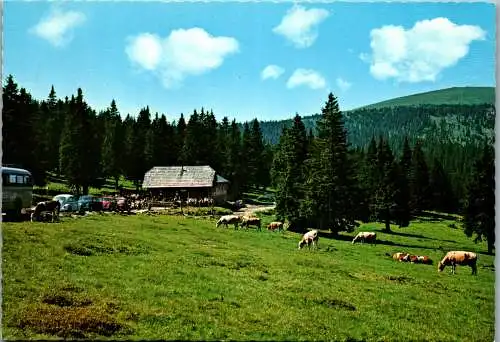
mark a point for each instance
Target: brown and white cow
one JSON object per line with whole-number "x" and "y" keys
{"x": 248, "y": 221}
{"x": 48, "y": 206}
{"x": 229, "y": 219}
{"x": 400, "y": 256}
{"x": 365, "y": 237}
{"x": 424, "y": 259}
{"x": 455, "y": 258}
{"x": 276, "y": 225}
{"x": 310, "y": 238}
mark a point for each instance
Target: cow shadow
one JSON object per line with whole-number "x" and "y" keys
{"x": 417, "y": 236}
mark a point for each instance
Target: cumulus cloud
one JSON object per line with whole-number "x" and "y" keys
{"x": 306, "y": 77}
{"x": 57, "y": 27}
{"x": 420, "y": 53}
{"x": 343, "y": 84}
{"x": 300, "y": 25}
{"x": 271, "y": 71}
{"x": 183, "y": 53}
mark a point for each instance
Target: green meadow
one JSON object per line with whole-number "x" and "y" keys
{"x": 181, "y": 278}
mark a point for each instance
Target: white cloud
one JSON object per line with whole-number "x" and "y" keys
{"x": 145, "y": 50}
{"x": 271, "y": 71}
{"x": 343, "y": 84}
{"x": 299, "y": 25}
{"x": 57, "y": 28}
{"x": 420, "y": 53}
{"x": 183, "y": 53}
{"x": 306, "y": 77}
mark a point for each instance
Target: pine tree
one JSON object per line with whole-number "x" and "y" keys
{"x": 191, "y": 150}
{"x": 384, "y": 199}
{"x": 111, "y": 143}
{"x": 245, "y": 160}
{"x": 419, "y": 180}
{"x": 441, "y": 193}
{"x": 288, "y": 172}
{"x": 256, "y": 164}
{"x": 235, "y": 167}
{"x": 479, "y": 218}
{"x": 71, "y": 147}
{"x": 330, "y": 183}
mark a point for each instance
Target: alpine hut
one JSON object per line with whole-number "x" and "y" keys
{"x": 186, "y": 181}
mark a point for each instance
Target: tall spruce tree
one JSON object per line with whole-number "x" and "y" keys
{"x": 191, "y": 150}
{"x": 441, "y": 193}
{"x": 111, "y": 143}
{"x": 419, "y": 180}
{"x": 288, "y": 172}
{"x": 330, "y": 183}
{"x": 235, "y": 166}
{"x": 385, "y": 191}
{"x": 479, "y": 218}
{"x": 256, "y": 163}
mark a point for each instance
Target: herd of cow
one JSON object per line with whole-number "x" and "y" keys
{"x": 309, "y": 239}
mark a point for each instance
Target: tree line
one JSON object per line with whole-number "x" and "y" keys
{"x": 323, "y": 182}
{"x": 69, "y": 138}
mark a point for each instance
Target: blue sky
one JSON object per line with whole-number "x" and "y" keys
{"x": 246, "y": 59}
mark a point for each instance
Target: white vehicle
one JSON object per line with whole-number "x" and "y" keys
{"x": 62, "y": 198}
{"x": 17, "y": 191}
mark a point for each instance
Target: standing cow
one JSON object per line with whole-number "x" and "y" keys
{"x": 228, "y": 219}
{"x": 276, "y": 225}
{"x": 247, "y": 221}
{"x": 310, "y": 238}
{"x": 365, "y": 237}
{"x": 454, "y": 258}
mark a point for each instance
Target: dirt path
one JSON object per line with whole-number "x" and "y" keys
{"x": 252, "y": 208}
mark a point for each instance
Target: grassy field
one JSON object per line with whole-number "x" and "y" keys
{"x": 173, "y": 277}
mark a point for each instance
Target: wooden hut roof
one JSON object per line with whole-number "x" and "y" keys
{"x": 179, "y": 177}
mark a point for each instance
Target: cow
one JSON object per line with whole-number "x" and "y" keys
{"x": 424, "y": 259}
{"x": 400, "y": 256}
{"x": 51, "y": 206}
{"x": 228, "y": 219}
{"x": 248, "y": 221}
{"x": 276, "y": 225}
{"x": 413, "y": 259}
{"x": 309, "y": 238}
{"x": 365, "y": 237}
{"x": 455, "y": 258}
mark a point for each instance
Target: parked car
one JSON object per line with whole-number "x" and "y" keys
{"x": 62, "y": 198}
{"x": 70, "y": 205}
{"x": 89, "y": 203}
{"x": 108, "y": 203}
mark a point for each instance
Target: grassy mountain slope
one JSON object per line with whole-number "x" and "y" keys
{"x": 455, "y": 95}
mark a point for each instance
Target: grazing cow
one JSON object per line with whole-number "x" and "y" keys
{"x": 365, "y": 237}
{"x": 455, "y": 258}
{"x": 424, "y": 259}
{"x": 309, "y": 238}
{"x": 51, "y": 206}
{"x": 276, "y": 225}
{"x": 229, "y": 219}
{"x": 400, "y": 256}
{"x": 247, "y": 221}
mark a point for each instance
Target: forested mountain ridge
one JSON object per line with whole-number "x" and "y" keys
{"x": 454, "y": 115}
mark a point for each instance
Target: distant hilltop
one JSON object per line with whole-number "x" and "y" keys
{"x": 449, "y": 96}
